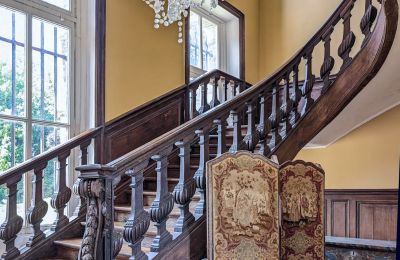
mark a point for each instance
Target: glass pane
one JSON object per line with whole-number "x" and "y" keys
{"x": 12, "y": 62}
{"x": 64, "y": 4}
{"x": 46, "y": 137}
{"x": 49, "y": 175}
{"x": 195, "y": 40}
{"x": 12, "y": 139}
{"x": 210, "y": 45}
{"x": 50, "y": 72}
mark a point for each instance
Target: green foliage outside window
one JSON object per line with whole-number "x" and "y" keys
{"x": 6, "y": 130}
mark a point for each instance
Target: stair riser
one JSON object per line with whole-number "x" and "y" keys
{"x": 174, "y": 172}
{"x": 196, "y": 149}
{"x": 151, "y": 185}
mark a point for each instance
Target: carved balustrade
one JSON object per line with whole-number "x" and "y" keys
{"x": 212, "y": 89}
{"x": 12, "y": 225}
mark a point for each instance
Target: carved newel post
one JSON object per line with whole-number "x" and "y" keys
{"x": 97, "y": 185}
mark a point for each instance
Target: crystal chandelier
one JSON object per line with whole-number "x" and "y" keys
{"x": 175, "y": 10}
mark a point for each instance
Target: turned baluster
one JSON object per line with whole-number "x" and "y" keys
{"x": 237, "y": 132}
{"x": 368, "y": 19}
{"x": 12, "y": 225}
{"x": 348, "y": 36}
{"x": 308, "y": 83}
{"x": 62, "y": 193}
{"x": 193, "y": 102}
{"x": 296, "y": 95}
{"x": 329, "y": 61}
{"x": 230, "y": 85}
{"x": 139, "y": 220}
{"x": 251, "y": 138}
{"x": 263, "y": 127}
{"x": 222, "y": 89}
{"x": 38, "y": 207}
{"x": 200, "y": 175}
{"x": 185, "y": 188}
{"x": 234, "y": 89}
{"x": 204, "y": 106}
{"x": 286, "y": 107}
{"x": 221, "y": 132}
{"x": 163, "y": 203}
{"x": 84, "y": 161}
{"x": 275, "y": 118}
{"x": 214, "y": 101}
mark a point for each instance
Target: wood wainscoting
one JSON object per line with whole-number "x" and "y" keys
{"x": 144, "y": 123}
{"x": 369, "y": 214}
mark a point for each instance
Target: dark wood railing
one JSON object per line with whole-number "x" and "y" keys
{"x": 12, "y": 225}
{"x": 217, "y": 84}
{"x": 272, "y": 110}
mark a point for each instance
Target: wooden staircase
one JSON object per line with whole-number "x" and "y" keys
{"x": 68, "y": 249}
{"x": 149, "y": 190}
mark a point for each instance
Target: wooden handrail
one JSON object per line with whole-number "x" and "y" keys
{"x": 52, "y": 153}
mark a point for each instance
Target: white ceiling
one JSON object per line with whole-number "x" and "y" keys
{"x": 380, "y": 95}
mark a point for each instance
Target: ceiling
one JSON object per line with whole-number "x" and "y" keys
{"x": 380, "y": 95}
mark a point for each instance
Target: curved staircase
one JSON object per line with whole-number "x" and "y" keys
{"x": 149, "y": 202}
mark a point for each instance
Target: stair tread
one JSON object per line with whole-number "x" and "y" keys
{"x": 177, "y": 166}
{"x": 76, "y": 242}
{"x": 127, "y": 208}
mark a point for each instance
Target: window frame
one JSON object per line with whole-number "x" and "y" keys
{"x": 32, "y": 11}
{"x": 221, "y": 40}
{"x": 69, "y": 20}
{"x": 241, "y": 17}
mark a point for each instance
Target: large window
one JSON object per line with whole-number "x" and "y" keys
{"x": 214, "y": 41}
{"x": 203, "y": 42}
{"x": 36, "y": 79}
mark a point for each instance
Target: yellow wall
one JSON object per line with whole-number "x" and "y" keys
{"x": 287, "y": 25}
{"x": 141, "y": 63}
{"x": 367, "y": 158}
{"x": 144, "y": 63}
